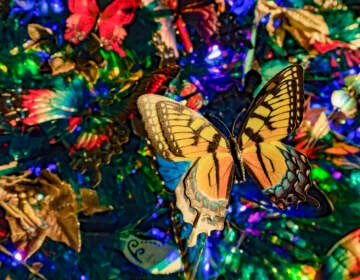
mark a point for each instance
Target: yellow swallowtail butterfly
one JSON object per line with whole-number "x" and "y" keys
{"x": 178, "y": 133}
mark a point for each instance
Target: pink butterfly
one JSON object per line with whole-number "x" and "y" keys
{"x": 110, "y": 22}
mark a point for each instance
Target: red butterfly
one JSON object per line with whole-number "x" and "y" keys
{"x": 110, "y": 22}
{"x": 192, "y": 96}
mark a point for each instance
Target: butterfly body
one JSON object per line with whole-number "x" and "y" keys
{"x": 237, "y": 154}
{"x": 178, "y": 133}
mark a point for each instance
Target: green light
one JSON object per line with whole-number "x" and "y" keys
{"x": 228, "y": 259}
{"x": 319, "y": 173}
{"x": 31, "y": 66}
{"x": 355, "y": 178}
{"x": 327, "y": 187}
{"x": 232, "y": 235}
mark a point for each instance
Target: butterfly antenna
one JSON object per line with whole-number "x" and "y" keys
{"x": 221, "y": 122}
{"x": 236, "y": 119}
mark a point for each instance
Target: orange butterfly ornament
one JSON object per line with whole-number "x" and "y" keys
{"x": 178, "y": 133}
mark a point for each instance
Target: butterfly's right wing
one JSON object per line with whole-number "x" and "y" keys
{"x": 178, "y": 133}
{"x": 278, "y": 169}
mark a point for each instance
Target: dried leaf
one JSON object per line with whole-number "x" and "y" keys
{"x": 305, "y": 26}
{"x": 37, "y": 208}
{"x": 59, "y": 65}
{"x": 41, "y": 37}
{"x": 90, "y": 203}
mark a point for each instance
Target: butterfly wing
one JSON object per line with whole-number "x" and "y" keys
{"x": 250, "y": 192}
{"x": 112, "y": 20}
{"x": 343, "y": 259}
{"x": 275, "y": 113}
{"x": 119, "y": 12}
{"x": 178, "y": 133}
{"x": 83, "y": 19}
{"x": 277, "y": 109}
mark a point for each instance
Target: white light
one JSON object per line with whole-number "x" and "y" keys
{"x": 207, "y": 267}
{"x": 18, "y": 256}
{"x": 215, "y": 52}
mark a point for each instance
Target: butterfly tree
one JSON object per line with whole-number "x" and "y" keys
{"x": 96, "y": 181}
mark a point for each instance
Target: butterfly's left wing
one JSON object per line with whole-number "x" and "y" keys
{"x": 178, "y": 133}
{"x": 275, "y": 113}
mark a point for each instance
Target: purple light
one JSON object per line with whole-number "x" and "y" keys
{"x": 52, "y": 167}
{"x": 337, "y": 175}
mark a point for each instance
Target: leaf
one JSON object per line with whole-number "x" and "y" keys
{"x": 90, "y": 203}
{"x": 37, "y": 208}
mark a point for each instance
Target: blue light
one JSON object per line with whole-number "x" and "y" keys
{"x": 351, "y": 135}
{"x": 57, "y": 6}
{"x": 160, "y": 200}
{"x": 157, "y": 233}
{"x": 44, "y": 8}
{"x": 265, "y": 19}
{"x": 80, "y": 178}
{"x": 37, "y": 171}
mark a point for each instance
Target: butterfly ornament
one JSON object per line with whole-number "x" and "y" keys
{"x": 85, "y": 16}
{"x": 180, "y": 134}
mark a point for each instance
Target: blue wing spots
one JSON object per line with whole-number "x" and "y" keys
{"x": 171, "y": 172}
{"x": 198, "y": 196}
{"x": 213, "y": 206}
{"x": 295, "y": 184}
